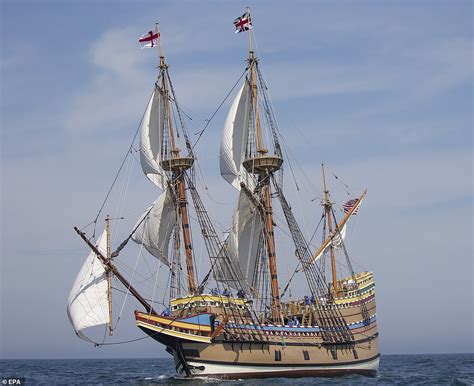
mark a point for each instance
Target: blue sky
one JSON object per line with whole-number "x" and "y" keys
{"x": 380, "y": 91}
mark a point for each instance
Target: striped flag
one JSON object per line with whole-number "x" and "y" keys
{"x": 243, "y": 23}
{"x": 349, "y": 205}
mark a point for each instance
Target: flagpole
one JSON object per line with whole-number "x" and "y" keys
{"x": 249, "y": 30}
{"x": 160, "y": 48}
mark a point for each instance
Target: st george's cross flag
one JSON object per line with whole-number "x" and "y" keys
{"x": 150, "y": 39}
{"x": 243, "y": 23}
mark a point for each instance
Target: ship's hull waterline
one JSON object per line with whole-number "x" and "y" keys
{"x": 284, "y": 358}
{"x": 238, "y": 371}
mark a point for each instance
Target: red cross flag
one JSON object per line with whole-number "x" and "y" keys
{"x": 243, "y": 23}
{"x": 150, "y": 39}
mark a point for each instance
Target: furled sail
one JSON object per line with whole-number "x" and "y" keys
{"x": 244, "y": 237}
{"x": 234, "y": 140}
{"x": 336, "y": 242}
{"x": 151, "y": 138}
{"x": 155, "y": 226}
{"x": 339, "y": 237}
{"x": 87, "y": 305}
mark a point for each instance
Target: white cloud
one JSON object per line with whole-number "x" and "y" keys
{"x": 118, "y": 89}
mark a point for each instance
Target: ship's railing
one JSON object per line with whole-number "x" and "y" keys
{"x": 302, "y": 306}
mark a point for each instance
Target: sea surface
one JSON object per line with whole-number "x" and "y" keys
{"x": 441, "y": 369}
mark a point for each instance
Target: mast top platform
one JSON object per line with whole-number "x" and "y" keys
{"x": 177, "y": 164}
{"x": 263, "y": 164}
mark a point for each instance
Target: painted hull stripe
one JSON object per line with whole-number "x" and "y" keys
{"x": 173, "y": 333}
{"x": 271, "y": 366}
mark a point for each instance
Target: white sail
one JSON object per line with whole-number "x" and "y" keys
{"x": 87, "y": 305}
{"x": 336, "y": 242}
{"x": 234, "y": 141}
{"x": 244, "y": 236}
{"x": 339, "y": 238}
{"x": 150, "y": 139}
{"x": 155, "y": 226}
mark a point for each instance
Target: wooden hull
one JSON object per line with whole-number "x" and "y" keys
{"x": 275, "y": 358}
{"x": 259, "y": 360}
{"x": 246, "y": 350}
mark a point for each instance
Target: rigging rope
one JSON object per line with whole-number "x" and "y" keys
{"x": 346, "y": 187}
{"x": 122, "y": 198}
{"x": 124, "y": 341}
{"x": 128, "y": 288}
{"x": 291, "y": 170}
{"x": 129, "y": 151}
{"x": 298, "y": 269}
{"x": 124, "y": 243}
{"x": 200, "y": 133}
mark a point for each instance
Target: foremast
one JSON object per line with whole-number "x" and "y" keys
{"x": 176, "y": 166}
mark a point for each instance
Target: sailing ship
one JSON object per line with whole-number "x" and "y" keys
{"x": 236, "y": 322}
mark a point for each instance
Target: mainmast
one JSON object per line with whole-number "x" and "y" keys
{"x": 176, "y": 165}
{"x": 257, "y": 162}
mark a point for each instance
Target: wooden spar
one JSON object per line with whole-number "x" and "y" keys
{"x": 327, "y": 209}
{"x": 253, "y": 83}
{"x": 164, "y": 68}
{"x": 183, "y": 207}
{"x": 160, "y": 48}
{"x": 109, "y": 274}
{"x": 249, "y": 31}
{"x": 271, "y": 253}
{"x": 117, "y": 274}
{"x": 174, "y": 150}
{"x": 338, "y": 228}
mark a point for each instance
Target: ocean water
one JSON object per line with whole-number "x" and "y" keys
{"x": 442, "y": 369}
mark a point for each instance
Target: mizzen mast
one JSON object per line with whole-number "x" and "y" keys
{"x": 327, "y": 210}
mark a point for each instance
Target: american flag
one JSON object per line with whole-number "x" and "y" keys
{"x": 243, "y": 23}
{"x": 349, "y": 205}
